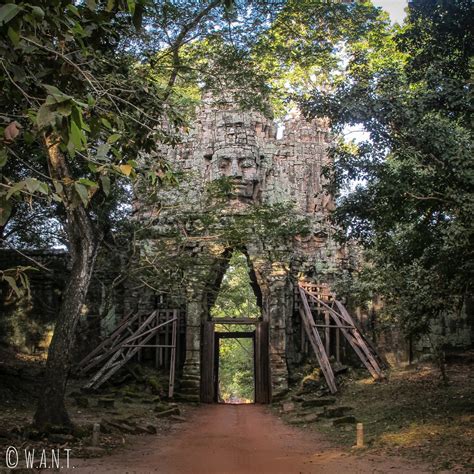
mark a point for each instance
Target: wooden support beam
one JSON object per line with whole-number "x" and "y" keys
{"x": 127, "y": 350}
{"x": 342, "y": 318}
{"x": 174, "y": 336}
{"x": 316, "y": 342}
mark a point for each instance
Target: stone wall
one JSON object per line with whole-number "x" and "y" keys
{"x": 270, "y": 203}
{"x": 24, "y": 324}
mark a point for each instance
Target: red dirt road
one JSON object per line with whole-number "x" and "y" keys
{"x": 239, "y": 439}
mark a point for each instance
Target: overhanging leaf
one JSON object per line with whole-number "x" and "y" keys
{"x": 56, "y": 93}
{"x": 32, "y": 184}
{"x": 82, "y": 192}
{"x": 113, "y": 138}
{"x": 15, "y": 188}
{"x": 102, "y": 151}
{"x": 3, "y": 158}
{"x": 5, "y": 210}
{"x": 76, "y": 135}
{"x": 38, "y": 12}
{"x": 88, "y": 182}
{"x": 105, "y": 180}
{"x": 125, "y": 169}
{"x": 11, "y": 281}
{"x": 14, "y": 35}
{"x": 8, "y": 12}
{"x": 45, "y": 117}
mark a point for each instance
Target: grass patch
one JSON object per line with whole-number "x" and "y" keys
{"x": 414, "y": 415}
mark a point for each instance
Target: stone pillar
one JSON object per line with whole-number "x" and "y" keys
{"x": 190, "y": 381}
{"x": 272, "y": 278}
{"x": 278, "y": 308}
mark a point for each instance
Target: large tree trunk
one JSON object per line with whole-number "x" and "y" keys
{"x": 83, "y": 243}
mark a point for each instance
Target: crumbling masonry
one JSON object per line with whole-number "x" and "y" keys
{"x": 272, "y": 206}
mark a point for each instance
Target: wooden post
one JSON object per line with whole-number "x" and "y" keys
{"x": 327, "y": 333}
{"x": 139, "y": 355}
{"x": 157, "y": 342}
{"x": 167, "y": 351}
{"x": 360, "y": 435}
{"x": 95, "y": 434}
{"x": 338, "y": 345}
{"x": 316, "y": 342}
{"x": 160, "y": 350}
{"x": 173, "y": 352}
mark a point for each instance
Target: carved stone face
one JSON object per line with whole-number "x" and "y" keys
{"x": 241, "y": 166}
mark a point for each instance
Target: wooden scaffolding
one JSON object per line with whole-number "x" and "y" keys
{"x": 317, "y": 302}
{"x": 135, "y": 332}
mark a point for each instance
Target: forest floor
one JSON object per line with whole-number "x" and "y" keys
{"x": 131, "y": 411}
{"x": 241, "y": 439}
{"x": 412, "y": 414}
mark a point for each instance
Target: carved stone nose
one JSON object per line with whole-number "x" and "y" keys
{"x": 235, "y": 170}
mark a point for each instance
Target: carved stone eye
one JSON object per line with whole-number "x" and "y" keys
{"x": 247, "y": 163}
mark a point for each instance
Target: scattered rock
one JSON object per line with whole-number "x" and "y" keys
{"x": 105, "y": 402}
{"x": 297, "y": 398}
{"x": 93, "y": 451}
{"x": 151, "y": 429}
{"x": 336, "y": 412}
{"x": 140, "y": 430}
{"x": 311, "y": 418}
{"x": 162, "y": 407}
{"x": 181, "y": 419}
{"x": 152, "y": 400}
{"x": 279, "y": 396}
{"x": 344, "y": 420}
{"x": 124, "y": 428}
{"x": 60, "y": 438}
{"x": 154, "y": 383}
{"x": 318, "y": 402}
{"x": 339, "y": 368}
{"x": 81, "y": 401}
{"x": 288, "y": 407}
{"x": 125, "y": 420}
{"x": 166, "y": 413}
{"x": 296, "y": 421}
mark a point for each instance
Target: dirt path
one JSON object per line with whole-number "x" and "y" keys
{"x": 231, "y": 439}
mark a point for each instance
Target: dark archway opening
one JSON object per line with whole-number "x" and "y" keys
{"x": 235, "y": 313}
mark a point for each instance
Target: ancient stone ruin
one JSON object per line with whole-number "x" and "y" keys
{"x": 245, "y": 184}
{"x": 243, "y": 188}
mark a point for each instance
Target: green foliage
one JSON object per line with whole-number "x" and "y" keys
{"x": 236, "y": 372}
{"x": 69, "y": 76}
{"x": 305, "y": 46}
{"x": 412, "y": 207}
{"x": 18, "y": 282}
{"x": 236, "y": 298}
{"x": 166, "y": 259}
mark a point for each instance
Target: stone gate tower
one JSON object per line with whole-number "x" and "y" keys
{"x": 242, "y": 188}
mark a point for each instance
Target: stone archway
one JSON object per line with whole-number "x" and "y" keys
{"x": 243, "y": 187}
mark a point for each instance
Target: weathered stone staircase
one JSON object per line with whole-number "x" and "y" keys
{"x": 308, "y": 410}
